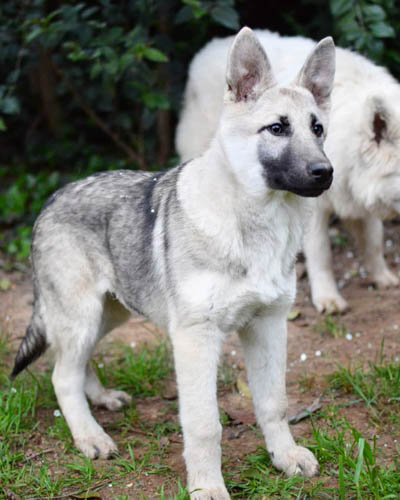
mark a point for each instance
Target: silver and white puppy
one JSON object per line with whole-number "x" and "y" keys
{"x": 202, "y": 249}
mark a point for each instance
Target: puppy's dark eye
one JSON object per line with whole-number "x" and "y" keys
{"x": 318, "y": 129}
{"x": 275, "y": 129}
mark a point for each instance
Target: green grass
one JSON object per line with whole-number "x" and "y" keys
{"x": 38, "y": 458}
{"x": 378, "y": 386}
{"x": 331, "y": 325}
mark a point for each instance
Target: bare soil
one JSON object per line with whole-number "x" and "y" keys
{"x": 313, "y": 351}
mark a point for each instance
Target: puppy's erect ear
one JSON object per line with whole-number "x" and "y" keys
{"x": 378, "y": 117}
{"x": 318, "y": 72}
{"x": 249, "y": 71}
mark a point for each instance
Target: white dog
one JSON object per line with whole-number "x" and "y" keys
{"x": 202, "y": 249}
{"x": 363, "y": 145}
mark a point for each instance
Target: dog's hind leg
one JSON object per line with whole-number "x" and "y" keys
{"x": 76, "y": 340}
{"x": 264, "y": 343}
{"x": 324, "y": 292}
{"x": 368, "y": 233}
{"x": 114, "y": 314}
{"x": 73, "y": 315}
{"x": 100, "y": 396}
{"x": 196, "y": 353}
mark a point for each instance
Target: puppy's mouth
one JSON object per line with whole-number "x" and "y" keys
{"x": 310, "y": 191}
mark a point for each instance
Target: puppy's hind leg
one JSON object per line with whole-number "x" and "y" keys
{"x": 114, "y": 314}
{"x": 75, "y": 334}
{"x": 100, "y": 396}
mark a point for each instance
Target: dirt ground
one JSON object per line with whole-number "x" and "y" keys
{"x": 312, "y": 352}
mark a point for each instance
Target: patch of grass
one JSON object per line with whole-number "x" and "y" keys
{"x": 38, "y": 459}
{"x": 226, "y": 374}
{"x": 331, "y": 325}
{"x": 345, "y": 456}
{"x": 141, "y": 373}
{"x": 307, "y": 381}
{"x": 259, "y": 479}
{"x": 351, "y": 459}
{"x": 378, "y": 386}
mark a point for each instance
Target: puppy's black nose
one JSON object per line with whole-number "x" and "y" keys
{"x": 320, "y": 172}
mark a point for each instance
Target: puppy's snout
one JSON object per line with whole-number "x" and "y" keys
{"x": 320, "y": 172}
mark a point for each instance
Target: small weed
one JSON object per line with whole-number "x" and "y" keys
{"x": 331, "y": 325}
{"x": 307, "y": 382}
{"x": 338, "y": 238}
{"x": 226, "y": 375}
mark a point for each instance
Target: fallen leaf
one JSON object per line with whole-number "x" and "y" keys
{"x": 88, "y": 495}
{"x": 292, "y": 315}
{"x": 5, "y": 284}
{"x": 242, "y": 387}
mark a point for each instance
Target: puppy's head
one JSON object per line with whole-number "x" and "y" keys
{"x": 272, "y": 136}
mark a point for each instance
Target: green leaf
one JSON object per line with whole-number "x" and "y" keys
{"x": 37, "y": 31}
{"x": 10, "y": 106}
{"x": 155, "y": 101}
{"x": 360, "y": 460}
{"x": 293, "y": 314}
{"x": 373, "y": 13}
{"x": 226, "y": 16}
{"x": 382, "y": 30}
{"x": 340, "y": 7}
{"x": 3, "y": 126}
{"x": 154, "y": 55}
{"x": 184, "y": 14}
{"x": 5, "y": 284}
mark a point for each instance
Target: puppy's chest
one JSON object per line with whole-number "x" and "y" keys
{"x": 230, "y": 299}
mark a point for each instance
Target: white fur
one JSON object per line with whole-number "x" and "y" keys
{"x": 366, "y": 186}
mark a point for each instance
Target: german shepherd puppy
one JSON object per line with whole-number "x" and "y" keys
{"x": 202, "y": 249}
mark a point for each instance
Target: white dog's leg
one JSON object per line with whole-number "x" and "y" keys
{"x": 324, "y": 292}
{"x": 373, "y": 254}
{"x": 264, "y": 343}
{"x": 100, "y": 396}
{"x": 196, "y": 353}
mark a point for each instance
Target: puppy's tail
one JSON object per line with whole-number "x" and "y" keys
{"x": 32, "y": 346}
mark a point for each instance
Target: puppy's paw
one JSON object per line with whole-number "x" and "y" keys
{"x": 295, "y": 460}
{"x": 113, "y": 400}
{"x": 96, "y": 446}
{"x": 330, "y": 304}
{"x": 217, "y": 493}
{"x": 385, "y": 279}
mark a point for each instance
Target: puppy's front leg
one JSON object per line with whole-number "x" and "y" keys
{"x": 196, "y": 353}
{"x": 264, "y": 343}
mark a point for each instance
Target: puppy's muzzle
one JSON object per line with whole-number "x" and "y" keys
{"x": 321, "y": 173}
